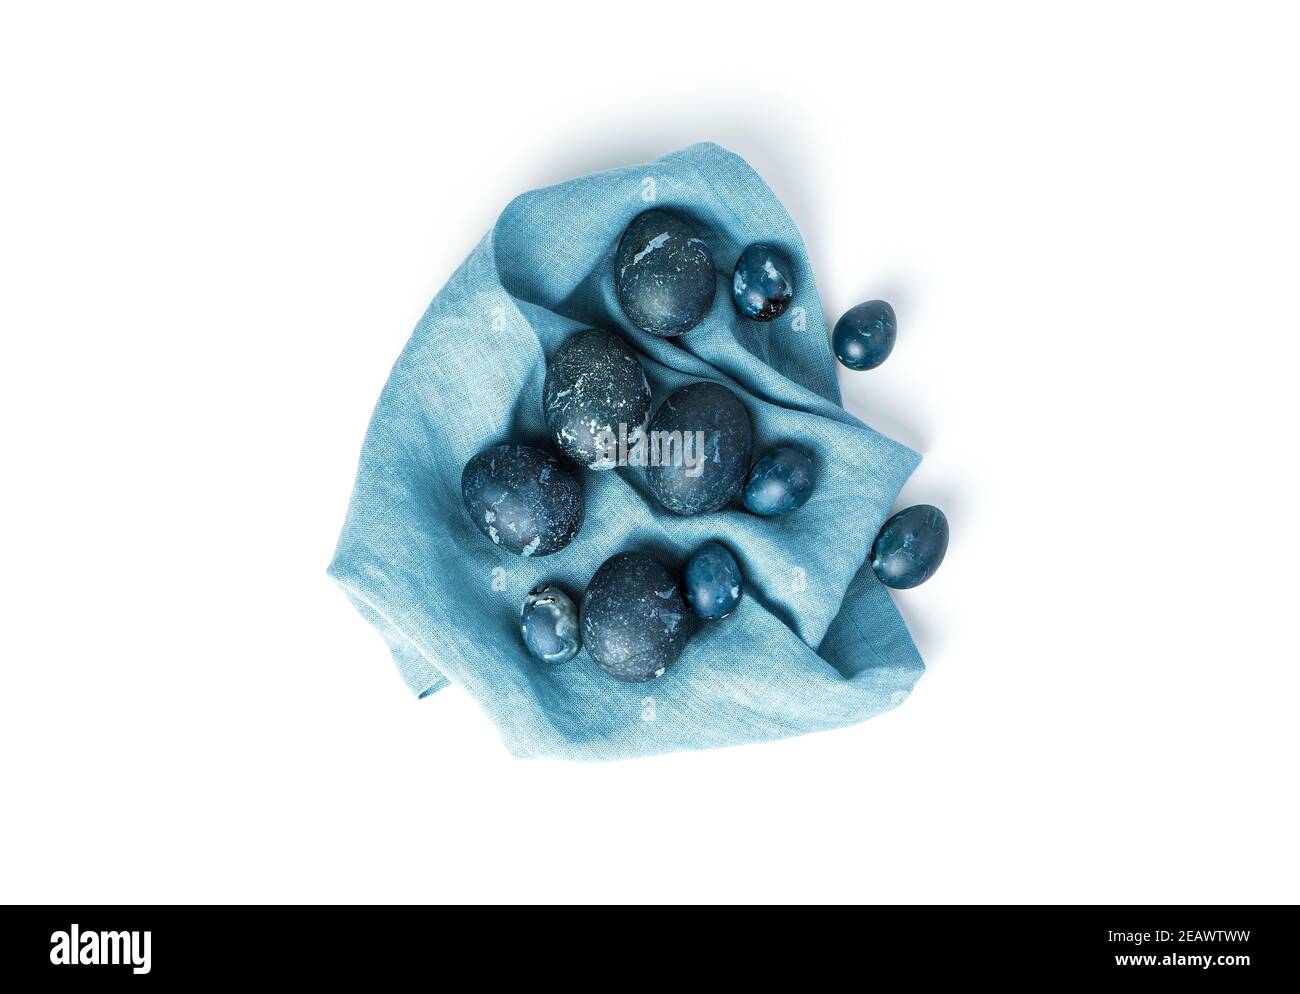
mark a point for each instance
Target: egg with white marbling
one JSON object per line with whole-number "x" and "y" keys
{"x": 663, "y": 273}
{"x": 698, "y": 448}
{"x": 523, "y": 498}
{"x": 595, "y": 398}
{"x": 762, "y": 284}
{"x": 712, "y": 582}
{"x": 910, "y": 546}
{"x": 634, "y": 621}
{"x": 548, "y": 623}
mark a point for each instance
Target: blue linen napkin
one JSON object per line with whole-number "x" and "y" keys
{"x": 816, "y": 642}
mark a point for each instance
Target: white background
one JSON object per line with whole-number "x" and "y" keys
{"x": 219, "y": 224}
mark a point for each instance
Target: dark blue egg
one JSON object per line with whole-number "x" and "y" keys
{"x": 780, "y": 481}
{"x": 595, "y": 394}
{"x": 634, "y": 621}
{"x": 865, "y": 335}
{"x": 712, "y": 582}
{"x": 910, "y": 546}
{"x": 664, "y": 274}
{"x": 698, "y": 448}
{"x": 523, "y": 499}
{"x": 549, "y": 625}
{"x": 762, "y": 282}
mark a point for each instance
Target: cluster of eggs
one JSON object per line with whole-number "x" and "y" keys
{"x": 634, "y": 613}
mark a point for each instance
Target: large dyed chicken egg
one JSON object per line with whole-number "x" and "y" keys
{"x": 595, "y": 394}
{"x": 698, "y": 448}
{"x": 664, "y": 274}
{"x": 910, "y": 546}
{"x": 523, "y": 499}
{"x": 634, "y": 621}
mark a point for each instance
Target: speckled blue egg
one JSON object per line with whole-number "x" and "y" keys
{"x": 762, "y": 282}
{"x": 712, "y": 582}
{"x": 634, "y": 621}
{"x": 780, "y": 481}
{"x": 664, "y": 274}
{"x": 595, "y": 393}
{"x": 864, "y": 336}
{"x": 523, "y": 499}
{"x": 699, "y": 447}
{"x": 549, "y": 625}
{"x": 910, "y": 546}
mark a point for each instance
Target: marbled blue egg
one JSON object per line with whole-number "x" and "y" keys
{"x": 780, "y": 481}
{"x": 762, "y": 282}
{"x": 664, "y": 274}
{"x": 698, "y": 448}
{"x": 864, "y": 336}
{"x": 712, "y": 582}
{"x": 910, "y": 546}
{"x": 595, "y": 393}
{"x": 634, "y": 621}
{"x": 549, "y": 625}
{"x": 523, "y": 499}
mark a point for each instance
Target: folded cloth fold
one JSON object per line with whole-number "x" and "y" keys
{"x": 816, "y": 642}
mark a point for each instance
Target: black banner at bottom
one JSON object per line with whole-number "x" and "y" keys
{"x": 132, "y": 946}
